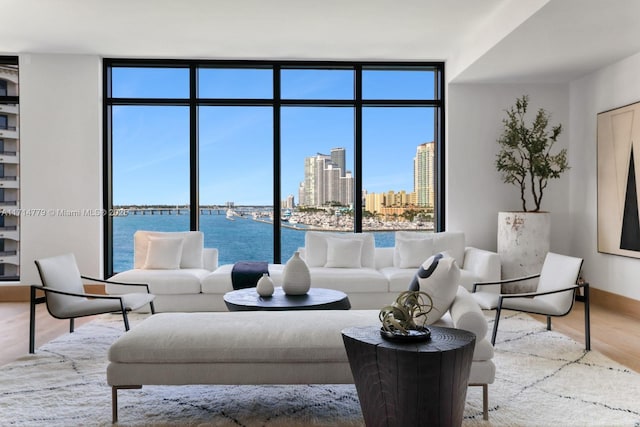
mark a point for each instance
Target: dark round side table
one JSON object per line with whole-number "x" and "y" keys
{"x": 316, "y": 299}
{"x": 402, "y": 383}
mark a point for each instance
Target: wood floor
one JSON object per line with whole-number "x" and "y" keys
{"x": 613, "y": 334}
{"x": 14, "y": 327}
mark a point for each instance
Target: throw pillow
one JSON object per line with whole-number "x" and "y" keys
{"x": 192, "y": 248}
{"x": 438, "y": 276}
{"x": 163, "y": 253}
{"x": 411, "y": 253}
{"x": 452, "y": 242}
{"x": 343, "y": 253}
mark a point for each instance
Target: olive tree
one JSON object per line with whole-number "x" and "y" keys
{"x": 525, "y": 157}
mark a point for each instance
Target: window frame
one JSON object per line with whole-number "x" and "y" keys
{"x": 13, "y": 100}
{"x": 277, "y": 103}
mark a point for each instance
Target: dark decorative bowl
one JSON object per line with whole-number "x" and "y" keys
{"x": 421, "y": 334}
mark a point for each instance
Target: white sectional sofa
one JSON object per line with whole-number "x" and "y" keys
{"x": 372, "y": 277}
{"x": 381, "y": 273}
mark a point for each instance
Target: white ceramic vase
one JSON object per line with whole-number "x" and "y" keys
{"x": 296, "y": 279}
{"x": 264, "y": 287}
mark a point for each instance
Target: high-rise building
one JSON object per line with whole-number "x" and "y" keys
{"x": 9, "y": 174}
{"x": 423, "y": 173}
{"x": 288, "y": 203}
{"x": 374, "y": 202}
{"x": 338, "y": 158}
{"x": 326, "y": 181}
{"x": 346, "y": 189}
{"x": 313, "y": 185}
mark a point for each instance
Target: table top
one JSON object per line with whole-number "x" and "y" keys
{"x": 442, "y": 339}
{"x": 316, "y": 299}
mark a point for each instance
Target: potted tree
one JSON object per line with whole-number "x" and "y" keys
{"x": 526, "y": 161}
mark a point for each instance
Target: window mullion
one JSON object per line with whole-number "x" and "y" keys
{"x": 357, "y": 205}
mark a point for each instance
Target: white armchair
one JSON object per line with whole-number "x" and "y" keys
{"x": 554, "y": 295}
{"x": 66, "y": 298}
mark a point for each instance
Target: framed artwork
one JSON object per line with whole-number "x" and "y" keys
{"x": 618, "y": 180}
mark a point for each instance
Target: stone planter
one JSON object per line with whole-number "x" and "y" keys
{"x": 523, "y": 243}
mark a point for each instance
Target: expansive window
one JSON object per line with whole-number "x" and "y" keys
{"x": 255, "y": 153}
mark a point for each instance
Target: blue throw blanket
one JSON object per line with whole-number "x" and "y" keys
{"x": 245, "y": 274}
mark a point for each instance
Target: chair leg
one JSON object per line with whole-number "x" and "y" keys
{"x": 495, "y": 323}
{"x": 126, "y": 320}
{"x": 587, "y": 320}
{"x": 548, "y": 323}
{"x": 32, "y": 321}
{"x": 71, "y": 325}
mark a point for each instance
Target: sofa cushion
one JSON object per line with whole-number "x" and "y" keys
{"x": 241, "y": 337}
{"x": 467, "y": 279}
{"x": 219, "y": 281}
{"x": 163, "y": 253}
{"x": 399, "y": 278}
{"x": 452, "y": 242}
{"x": 441, "y": 284}
{"x": 191, "y": 250}
{"x": 411, "y": 252}
{"x": 349, "y": 280}
{"x": 315, "y": 244}
{"x": 344, "y": 253}
{"x": 447, "y": 241}
{"x": 179, "y": 281}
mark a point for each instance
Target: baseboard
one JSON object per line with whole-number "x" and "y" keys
{"x": 14, "y": 293}
{"x": 21, "y": 293}
{"x": 614, "y": 302}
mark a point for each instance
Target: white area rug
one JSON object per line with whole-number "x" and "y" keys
{"x": 543, "y": 379}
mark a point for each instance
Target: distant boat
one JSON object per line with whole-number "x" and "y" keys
{"x": 230, "y": 215}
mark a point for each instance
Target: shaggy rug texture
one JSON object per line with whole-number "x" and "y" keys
{"x": 543, "y": 379}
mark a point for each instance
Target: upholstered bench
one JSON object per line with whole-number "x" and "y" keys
{"x": 287, "y": 347}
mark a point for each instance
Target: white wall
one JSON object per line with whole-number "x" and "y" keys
{"x": 611, "y": 87}
{"x": 475, "y": 192}
{"x": 60, "y": 159}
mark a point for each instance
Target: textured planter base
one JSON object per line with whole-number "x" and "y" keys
{"x": 523, "y": 243}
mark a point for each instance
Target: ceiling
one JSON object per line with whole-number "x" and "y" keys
{"x": 481, "y": 40}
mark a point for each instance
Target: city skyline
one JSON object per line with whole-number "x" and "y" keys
{"x": 326, "y": 181}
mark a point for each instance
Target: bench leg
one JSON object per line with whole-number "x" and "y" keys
{"x": 114, "y": 399}
{"x": 485, "y": 399}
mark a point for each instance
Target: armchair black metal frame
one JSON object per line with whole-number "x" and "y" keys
{"x": 35, "y": 300}
{"x": 502, "y": 297}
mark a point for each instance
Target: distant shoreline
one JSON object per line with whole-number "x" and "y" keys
{"x": 305, "y": 227}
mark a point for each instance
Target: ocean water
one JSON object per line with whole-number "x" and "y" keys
{"x": 241, "y": 239}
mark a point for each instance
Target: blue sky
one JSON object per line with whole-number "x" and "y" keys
{"x": 151, "y": 143}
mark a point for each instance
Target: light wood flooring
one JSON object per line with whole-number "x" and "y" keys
{"x": 613, "y": 334}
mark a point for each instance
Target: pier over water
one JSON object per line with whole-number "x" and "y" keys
{"x": 204, "y": 210}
